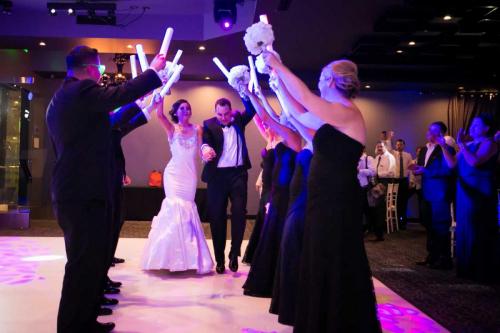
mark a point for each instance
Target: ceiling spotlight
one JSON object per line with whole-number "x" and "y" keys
{"x": 129, "y": 46}
{"x": 411, "y": 43}
{"x": 71, "y": 11}
{"x": 53, "y": 11}
{"x": 207, "y": 77}
{"x": 461, "y": 88}
{"x": 368, "y": 86}
{"x": 399, "y": 51}
{"x": 6, "y": 7}
{"x": 42, "y": 43}
{"x": 225, "y": 13}
{"x": 447, "y": 17}
{"x": 201, "y": 48}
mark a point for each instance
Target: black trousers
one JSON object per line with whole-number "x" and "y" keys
{"x": 436, "y": 218}
{"x": 116, "y": 220}
{"x": 403, "y": 195}
{"x": 87, "y": 237}
{"x": 227, "y": 184}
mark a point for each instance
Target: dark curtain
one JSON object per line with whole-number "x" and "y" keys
{"x": 463, "y": 107}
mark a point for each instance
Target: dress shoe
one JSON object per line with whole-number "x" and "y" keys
{"x": 220, "y": 268}
{"x": 103, "y": 327}
{"x": 422, "y": 263}
{"x": 111, "y": 290}
{"x": 378, "y": 239}
{"x": 118, "y": 260}
{"x": 114, "y": 284}
{"x": 233, "y": 264}
{"x": 108, "y": 301}
{"x": 105, "y": 312}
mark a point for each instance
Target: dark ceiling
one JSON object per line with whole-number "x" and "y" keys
{"x": 462, "y": 51}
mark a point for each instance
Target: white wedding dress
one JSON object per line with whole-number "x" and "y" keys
{"x": 176, "y": 241}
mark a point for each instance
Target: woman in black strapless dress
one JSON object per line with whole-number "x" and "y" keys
{"x": 335, "y": 290}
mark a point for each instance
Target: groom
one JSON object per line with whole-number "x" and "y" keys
{"x": 225, "y": 152}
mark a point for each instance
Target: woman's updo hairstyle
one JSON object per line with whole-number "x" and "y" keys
{"x": 345, "y": 75}
{"x": 175, "y": 107}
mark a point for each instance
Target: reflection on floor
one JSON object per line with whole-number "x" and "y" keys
{"x": 31, "y": 271}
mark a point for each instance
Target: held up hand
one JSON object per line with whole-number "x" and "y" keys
{"x": 158, "y": 62}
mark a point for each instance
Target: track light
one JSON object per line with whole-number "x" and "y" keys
{"x": 225, "y": 13}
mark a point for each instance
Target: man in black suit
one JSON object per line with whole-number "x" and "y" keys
{"x": 437, "y": 190}
{"x": 225, "y": 152}
{"x": 123, "y": 121}
{"x": 79, "y": 127}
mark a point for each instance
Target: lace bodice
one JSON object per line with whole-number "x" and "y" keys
{"x": 187, "y": 141}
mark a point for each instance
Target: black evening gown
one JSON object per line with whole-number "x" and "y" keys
{"x": 287, "y": 270}
{"x": 267, "y": 173}
{"x": 260, "y": 278}
{"x": 335, "y": 290}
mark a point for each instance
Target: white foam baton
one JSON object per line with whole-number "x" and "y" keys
{"x": 133, "y": 66}
{"x": 143, "y": 61}
{"x": 263, "y": 19}
{"x": 253, "y": 85}
{"x": 166, "y": 41}
{"x": 177, "y": 72}
{"x": 173, "y": 65}
{"x": 221, "y": 67}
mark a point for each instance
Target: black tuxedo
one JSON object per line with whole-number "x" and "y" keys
{"x": 225, "y": 184}
{"x": 437, "y": 189}
{"x": 123, "y": 121}
{"x": 80, "y": 130}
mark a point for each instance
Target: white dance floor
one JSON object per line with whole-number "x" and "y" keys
{"x": 31, "y": 271}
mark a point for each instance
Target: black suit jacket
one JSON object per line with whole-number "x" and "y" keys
{"x": 123, "y": 121}
{"x": 438, "y": 178}
{"x": 80, "y": 130}
{"x": 214, "y": 137}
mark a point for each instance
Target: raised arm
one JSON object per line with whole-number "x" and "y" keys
{"x": 164, "y": 121}
{"x": 260, "y": 127}
{"x": 291, "y": 138}
{"x": 327, "y": 111}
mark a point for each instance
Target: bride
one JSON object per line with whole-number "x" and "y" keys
{"x": 176, "y": 241}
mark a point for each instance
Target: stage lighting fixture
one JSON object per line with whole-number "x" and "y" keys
{"x": 225, "y": 13}
{"x": 101, "y": 13}
{"x": 6, "y": 7}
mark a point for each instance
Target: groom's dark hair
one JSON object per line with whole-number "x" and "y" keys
{"x": 223, "y": 102}
{"x": 81, "y": 55}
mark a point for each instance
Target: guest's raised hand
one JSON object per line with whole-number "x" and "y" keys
{"x": 158, "y": 62}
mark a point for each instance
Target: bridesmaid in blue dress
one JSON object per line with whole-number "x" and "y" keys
{"x": 477, "y": 230}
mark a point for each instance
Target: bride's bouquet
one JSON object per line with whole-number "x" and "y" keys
{"x": 239, "y": 77}
{"x": 258, "y": 36}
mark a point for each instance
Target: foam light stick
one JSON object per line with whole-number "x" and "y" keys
{"x": 254, "y": 83}
{"x": 173, "y": 65}
{"x": 166, "y": 41}
{"x": 171, "y": 80}
{"x": 221, "y": 67}
{"x": 133, "y": 66}
{"x": 143, "y": 61}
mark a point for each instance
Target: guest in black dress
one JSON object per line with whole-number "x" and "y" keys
{"x": 265, "y": 194}
{"x": 260, "y": 278}
{"x": 335, "y": 290}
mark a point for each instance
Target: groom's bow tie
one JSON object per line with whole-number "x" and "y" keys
{"x": 227, "y": 125}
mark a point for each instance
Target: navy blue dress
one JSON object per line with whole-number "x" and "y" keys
{"x": 287, "y": 270}
{"x": 267, "y": 173}
{"x": 260, "y": 278}
{"x": 335, "y": 291}
{"x": 477, "y": 229}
